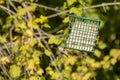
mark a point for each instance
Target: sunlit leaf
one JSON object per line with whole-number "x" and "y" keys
{"x": 54, "y": 40}
{"x": 115, "y": 53}
{"x": 106, "y": 58}
{"x": 47, "y": 52}
{"x": 24, "y": 47}
{"x": 15, "y": 71}
{"x": 4, "y": 60}
{"x": 33, "y": 42}
{"x": 3, "y": 39}
{"x": 46, "y": 25}
{"x": 97, "y": 53}
{"x": 70, "y": 2}
{"x": 106, "y": 65}
{"x": 65, "y": 31}
{"x": 41, "y": 20}
{"x": 40, "y": 71}
{"x": 71, "y": 60}
{"x": 33, "y": 78}
{"x": 15, "y": 48}
{"x": 75, "y": 11}
{"x": 1, "y": 1}
{"x": 31, "y": 64}
{"x": 55, "y": 76}
{"x": 113, "y": 61}
{"x": 64, "y": 6}
{"x": 21, "y": 11}
{"x": 74, "y": 76}
{"x": 31, "y": 8}
{"x": 28, "y": 33}
{"x": 33, "y": 24}
{"x": 66, "y": 20}
{"x": 102, "y": 45}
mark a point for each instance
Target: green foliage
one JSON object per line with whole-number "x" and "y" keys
{"x": 15, "y": 71}
{"x": 31, "y": 32}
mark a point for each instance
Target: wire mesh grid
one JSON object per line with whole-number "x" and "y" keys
{"x": 82, "y": 33}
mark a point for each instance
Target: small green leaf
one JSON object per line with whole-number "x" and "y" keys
{"x": 33, "y": 42}
{"x": 21, "y": 11}
{"x": 24, "y": 47}
{"x": 66, "y": 20}
{"x": 76, "y": 11}
{"x": 33, "y": 24}
{"x": 40, "y": 71}
{"x": 97, "y": 53}
{"x": 102, "y": 45}
{"x": 113, "y": 61}
{"x": 47, "y": 52}
{"x": 41, "y": 20}
{"x": 51, "y": 40}
{"x": 54, "y": 40}
{"x": 115, "y": 53}
{"x": 15, "y": 71}
{"x": 31, "y": 8}
{"x": 31, "y": 64}
{"x": 3, "y": 39}
{"x": 46, "y": 25}
{"x": 70, "y": 2}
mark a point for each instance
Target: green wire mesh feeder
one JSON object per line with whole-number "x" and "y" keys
{"x": 82, "y": 33}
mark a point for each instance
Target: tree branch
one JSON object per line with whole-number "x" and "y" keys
{"x": 6, "y": 9}
{"x": 90, "y": 7}
{"x": 45, "y": 7}
{"x": 40, "y": 5}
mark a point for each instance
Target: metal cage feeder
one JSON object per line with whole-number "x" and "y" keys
{"x": 82, "y": 33}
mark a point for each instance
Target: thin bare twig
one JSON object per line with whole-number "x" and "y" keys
{"x": 7, "y": 10}
{"x": 40, "y": 5}
{"x": 52, "y": 58}
{"x": 45, "y": 7}
{"x": 10, "y": 2}
{"x": 90, "y": 7}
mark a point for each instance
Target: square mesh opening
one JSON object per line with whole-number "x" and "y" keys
{"x": 82, "y": 33}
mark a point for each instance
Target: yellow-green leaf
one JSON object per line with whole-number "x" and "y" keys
{"x": 4, "y": 60}
{"x": 33, "y": 24}
{"x": 33, "y": 42}
{"x": 106, "y": 58}
{"x": 28, "y": 33}
{"x": 115, "y": 53}
{"x": 2, "y": 1}
{"x": 97, "y": 53}
{"x": 31, "y": 8}
{"x": 51, "y": 40}
{"x": 113, "y": 61}
{"x": 47, "y": 52}
{"x": 65, "y": 31}
{"x": 21, "y": 11}
{"x": 41, "y": 20}
{"x": 40, "y": 71}
{"x": 54, "y": 40}
{"x": 15, "y": 71}
{"x": 47, "y": 25}
{"x": 3, "y": 39}
{"x": 33, "y": 78}
{"x": 24, "y": 47}
{"x": 66, "y": 20}
{"x": 102, "y": 45}
{"x": 76, "y": 11}
{"x": 70, "y": 2}
{"x": 31, "y": 64}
